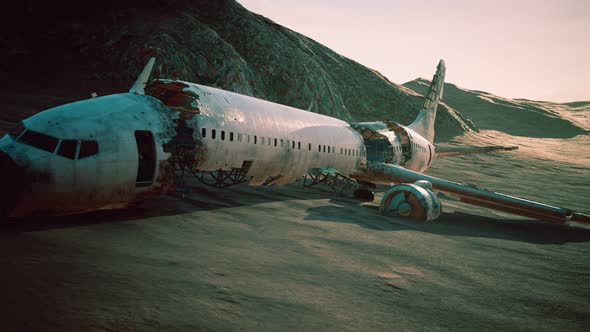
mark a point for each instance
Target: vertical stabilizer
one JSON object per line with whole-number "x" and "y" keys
{"x": 143, "y": 78}
{"x": 424, "y": 123}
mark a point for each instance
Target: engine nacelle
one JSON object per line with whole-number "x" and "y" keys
{"x": 416, "y": 200}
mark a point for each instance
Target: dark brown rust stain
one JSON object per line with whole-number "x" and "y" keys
{"x": 163, "y": 184}
{"x": 172, "y": 95}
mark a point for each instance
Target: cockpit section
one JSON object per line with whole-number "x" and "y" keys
{"x": 38, "y": 140}
{"x": 67, "y": 148}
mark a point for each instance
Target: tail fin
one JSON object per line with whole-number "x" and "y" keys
{"x": 143, "y": 77}
{"x": 424, "y": 123}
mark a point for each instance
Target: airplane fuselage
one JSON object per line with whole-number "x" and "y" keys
{"x": 113, "y": 151}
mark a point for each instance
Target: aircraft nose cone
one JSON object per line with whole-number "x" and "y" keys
{"x": 10, "y": 175}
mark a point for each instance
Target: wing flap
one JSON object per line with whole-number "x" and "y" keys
{"x": 443, "y": 151}
{"x": 484, "y": 198}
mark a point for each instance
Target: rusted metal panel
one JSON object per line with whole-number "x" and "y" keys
{"x": 258, "y": 123}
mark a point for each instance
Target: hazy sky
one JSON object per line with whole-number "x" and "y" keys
{"x": 513, "y": 48}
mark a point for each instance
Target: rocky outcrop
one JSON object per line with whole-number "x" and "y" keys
{"x": 85, "y": 47}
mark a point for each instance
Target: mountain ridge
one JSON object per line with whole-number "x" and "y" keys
{"x": 215, "y": 43}
{"x": 78, "y": 48}
{"x": 527, "y": 117}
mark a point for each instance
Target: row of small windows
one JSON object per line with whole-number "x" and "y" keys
{"x": 65, "y": 148}
{"x": 419, "y": 147}
{"x": 278, "y": 142}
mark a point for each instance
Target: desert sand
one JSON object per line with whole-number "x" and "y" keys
{"x": 287, "y": 258}
{"x": 277, "y": 258}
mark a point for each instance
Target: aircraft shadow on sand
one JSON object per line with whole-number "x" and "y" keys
{"x": 342, "y": 210}
{"x": 455, "y": 224}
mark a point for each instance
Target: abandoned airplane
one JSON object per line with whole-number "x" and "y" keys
{"x": 117, "y": 150}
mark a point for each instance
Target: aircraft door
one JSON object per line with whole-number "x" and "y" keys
{"x": 146, "y": 158}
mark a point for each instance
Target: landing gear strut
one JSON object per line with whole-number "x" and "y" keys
{"x": 183, "y": 161}
{"x": 337, "y": 183}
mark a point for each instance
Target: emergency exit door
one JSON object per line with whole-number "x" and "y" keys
{"x": 146, "y": 158}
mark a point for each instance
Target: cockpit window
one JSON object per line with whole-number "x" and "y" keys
{"x": 39, "y": 141}
{"x": 17, "y": 130}
{"x": 87, "y": 149}
{"x": 68, "y": 149}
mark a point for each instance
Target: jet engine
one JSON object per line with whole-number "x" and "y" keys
{"x": 416, "y": 200}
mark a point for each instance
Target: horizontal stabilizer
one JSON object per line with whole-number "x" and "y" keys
{"x": 461, "y": 150}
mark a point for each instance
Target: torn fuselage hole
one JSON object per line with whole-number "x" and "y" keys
{"x": 173, "y": 95}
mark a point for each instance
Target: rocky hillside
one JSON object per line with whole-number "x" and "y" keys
{"x": 70, "y": 49}
{"x": 518, "y": 117}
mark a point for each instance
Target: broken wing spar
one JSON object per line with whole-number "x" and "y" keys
{"x": 481, "y": 197}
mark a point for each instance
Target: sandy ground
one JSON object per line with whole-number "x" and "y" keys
{"x": 295, "y": 258}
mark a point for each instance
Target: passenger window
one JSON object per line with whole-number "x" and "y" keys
{"x": 293, "y": 144}
{"x": 328, "y": 149}
{"x": 309, "y": 146}
{"x": 39, "y": 141}
{"x": 262, "y": 140}
{"x": 319, "y": 148}
{"x": 68, "y": 149}
{"x": 255, "y": 139}
{"x": 269, "y": 140}
{"x": 212, "y": 133}
{"x": 299, "y": 145}
{"x": 223, "y": 135}
{"x": 324, "y": 148}
{"x": 87, "y": 149}
{"x": 204, "y": 132}
{"x": 231, "y": 136}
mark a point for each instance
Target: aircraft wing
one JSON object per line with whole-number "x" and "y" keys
{"x": 442, "y": 151}
{"x": 489, "y": 199}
